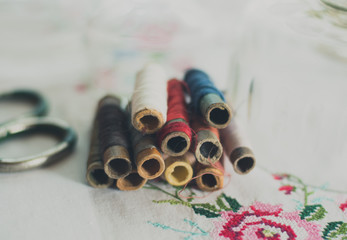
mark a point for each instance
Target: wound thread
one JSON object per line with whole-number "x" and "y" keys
{"x": 217, "y": 174}
{"x": 113, "y": 137}
{"x": 207, "y": 100}
{"x": 148, "y": 160}
{"x": 207, "y": 147}
{"x": 179, "y": 170}
{"x": 133, "y": 181}
{"x": 209, "y": 178}
{"x": 96, "y": 176}
{"x": 149, "y": 99}
{"x": 237, "y": 148}
{"x": 175, "y": 137}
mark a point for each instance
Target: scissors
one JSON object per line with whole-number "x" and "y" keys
{"x": 35, "y": 120}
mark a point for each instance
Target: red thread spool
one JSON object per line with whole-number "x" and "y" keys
{"x": 175, "y": 137}
{"x": 207, "y": 147}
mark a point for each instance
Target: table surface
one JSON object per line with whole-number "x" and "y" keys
{"x": 74, "y": 70}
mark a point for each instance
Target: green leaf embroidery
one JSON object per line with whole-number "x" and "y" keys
{"x": 233, "y": 203}
{"x": 310, "y": 193}
{"x": 335, "y": 229}
{"x": 313, "y": 212}
{"x": 205, "y": 212}
{"x": 208, "y": 206}
{"x": 221, "y": 204}
{"x": 174, "y": 202}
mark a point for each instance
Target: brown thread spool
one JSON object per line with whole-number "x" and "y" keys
{"x": 131, "y": 182}
{"x": 150, "y": 164}
{"x": 149, "y": 100}
{"x": 209, "y": 178}
{"x": 208, "y": 148}
{"x": 216, "y": 112}
{"x": 96, "y": 175}
{"x": 113, "y": 137}
{"x": 237, "y": 149}
{"x": 179, "y": 170}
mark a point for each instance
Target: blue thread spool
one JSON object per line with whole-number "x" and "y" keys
{"x": 207, "y": 100}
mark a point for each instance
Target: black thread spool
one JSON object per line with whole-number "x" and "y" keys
{"x": 113, "y": 137}
{"x": 96, "y": 175}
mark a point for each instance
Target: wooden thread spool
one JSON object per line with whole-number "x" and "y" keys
{"x": 175, "y": 137}
{"x": 179, "y": 170}
{"x": 96, "y": 176}
{"x": 209, "y": 178}
{"x": 207, "y": 100}
{"x": 149, "y": 100}
{"x": 216, "y": 112}
{"x": 113, "y": 137}
{"x": 237, "y": 148}
{"x": 150, "y": 164}
{"x": 131, "y": 182}
{"x": 208, "y": 148}
{"x": 175, "y": 143}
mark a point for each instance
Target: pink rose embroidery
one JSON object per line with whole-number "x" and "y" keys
{"x": 343, "y": 207}
{"x": 264, "y": 221}
{"x": 279, "y": 176}
{"x": 288, "y": 189}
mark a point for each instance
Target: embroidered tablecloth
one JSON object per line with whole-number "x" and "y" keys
{"x": 74, "y": 54}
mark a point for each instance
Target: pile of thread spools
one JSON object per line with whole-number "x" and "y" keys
{"x": 175, "y": 130}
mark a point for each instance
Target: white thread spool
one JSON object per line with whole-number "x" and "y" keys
{"x": 149, "y": 100}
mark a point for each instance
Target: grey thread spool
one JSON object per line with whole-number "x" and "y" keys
{"x": 149, "y": 162}
{"x": 216, "y": 112}
{"x": 207, "y": 147}
{"x": 131, "y": 182}
{"x": 236, "y": 148}
{"x": 96, "y": 175}
{"x": 113, "y": 137}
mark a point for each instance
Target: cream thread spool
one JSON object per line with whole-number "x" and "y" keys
{"x": 149, "y": 100}
{"x": 237, "y": 148}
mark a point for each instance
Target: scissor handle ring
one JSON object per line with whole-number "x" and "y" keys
{"x": 44, "y": 124}
{"x": 41, "y": 105}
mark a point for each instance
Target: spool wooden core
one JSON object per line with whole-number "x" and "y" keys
{"x": 215, "y": 111}
{"x": 131, "y": 182}
{"x": 148, "y": 121}
{"x": 178, "y": 171}
{"x": 150, "y": 163}
{"x": 97, "y": 177}
{"x": 210, "y": 179}
{"x": 208, "y": 148}
{"x": 117, "y": 162}
{"x": 175, "y": 144}
{"x": 242, "y": 159}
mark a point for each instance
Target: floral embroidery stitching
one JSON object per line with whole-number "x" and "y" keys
{"x": 190, "y": 234}
{"x": 260, "y": 220}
